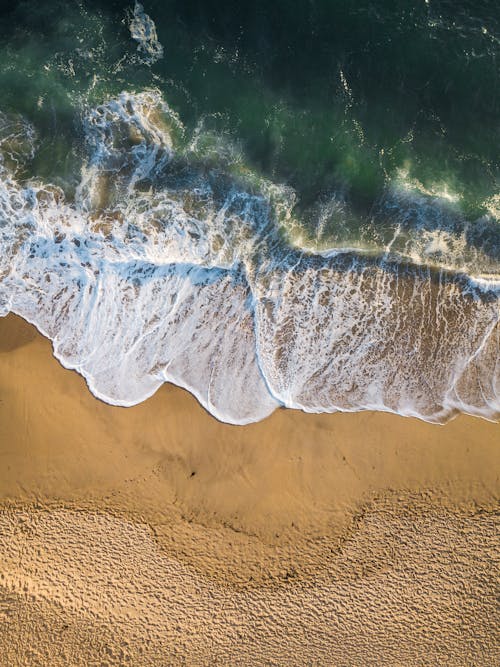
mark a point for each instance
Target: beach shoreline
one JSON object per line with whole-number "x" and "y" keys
{"x": 285, "y": 519}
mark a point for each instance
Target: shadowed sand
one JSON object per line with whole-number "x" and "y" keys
{"x": 155, "y": 535}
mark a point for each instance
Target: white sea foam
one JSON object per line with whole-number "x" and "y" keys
{"x": 143, "y": 30}
{"x": 166, "y": 267}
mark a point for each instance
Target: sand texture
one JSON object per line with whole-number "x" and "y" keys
{"x": 156, "y": 535}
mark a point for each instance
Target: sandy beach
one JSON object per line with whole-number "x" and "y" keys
{"x": 156, "y": 535}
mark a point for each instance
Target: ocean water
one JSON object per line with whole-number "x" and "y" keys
{"x": 271, "y": 204}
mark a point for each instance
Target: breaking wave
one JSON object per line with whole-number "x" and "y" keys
{"x": 173, "y": 262}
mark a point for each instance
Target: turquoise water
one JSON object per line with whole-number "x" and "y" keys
{"x": 336, "y": 163}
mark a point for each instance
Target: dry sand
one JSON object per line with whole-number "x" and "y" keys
{"x": 156, "y": 535}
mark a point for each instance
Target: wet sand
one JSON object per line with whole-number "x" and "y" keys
{"x": 156, "y": 535}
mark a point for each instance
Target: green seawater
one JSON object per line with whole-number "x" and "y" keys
{"x": 336, "y": 99}
{"x": 270, "y": 204}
